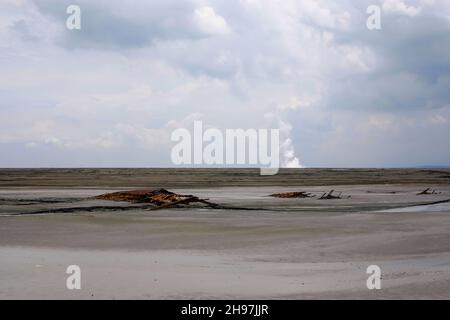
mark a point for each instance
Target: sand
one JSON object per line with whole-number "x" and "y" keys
{"x": 293, "y": 249}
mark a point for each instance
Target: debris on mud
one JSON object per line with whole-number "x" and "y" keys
{"x": 326, "y": 196}
{"x": 330, "y": 196}
{"x": 287, "y": 195}
{"x": 428, "y": 191}
{"x": 382, "y": 192}
{"x": 161, "y": 198}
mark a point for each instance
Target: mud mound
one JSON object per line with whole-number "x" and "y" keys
{"x": 158, "y": 197}
{"x": 162, "y": 198}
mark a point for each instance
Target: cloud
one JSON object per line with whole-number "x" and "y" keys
{"x": 114, "y": 89}
{"x": 209, "y": 22}
{"x": 107, "y": 25}
{"x": 22, "y": 28}
{"x": 438, "y": 120}
{"x": 398, "y": 6}
{"x": 405, "y": 65}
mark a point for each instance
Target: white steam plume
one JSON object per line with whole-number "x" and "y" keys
{"x": 287, "y": 150}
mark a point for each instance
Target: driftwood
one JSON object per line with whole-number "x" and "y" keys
{"x": 428, "y": 191}
{"x": 300, "y": 194}
{"x": 330, "y": 196}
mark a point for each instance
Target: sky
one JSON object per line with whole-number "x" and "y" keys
{"x": 111, "y": 94}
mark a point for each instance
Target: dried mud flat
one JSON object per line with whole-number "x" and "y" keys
{"x": 285, "y": 248}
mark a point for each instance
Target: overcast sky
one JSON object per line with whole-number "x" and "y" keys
{"x": 111, "y": 93}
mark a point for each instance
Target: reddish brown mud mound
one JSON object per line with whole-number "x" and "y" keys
{"x": 158, "y": 196}
{"x": 162, "y": 198}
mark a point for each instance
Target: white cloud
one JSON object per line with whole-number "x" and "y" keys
{"x": 209, "y": 22}
{"x": 400, "y": 7}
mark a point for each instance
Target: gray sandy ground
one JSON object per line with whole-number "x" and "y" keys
{"x": 294, "y": 248}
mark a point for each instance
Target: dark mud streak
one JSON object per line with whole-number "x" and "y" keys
{"x": 83, "y": 209}
{"x": 218, "y": 207}
{"x": 26, "y": 202}
{"x": 129, "y": 208}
